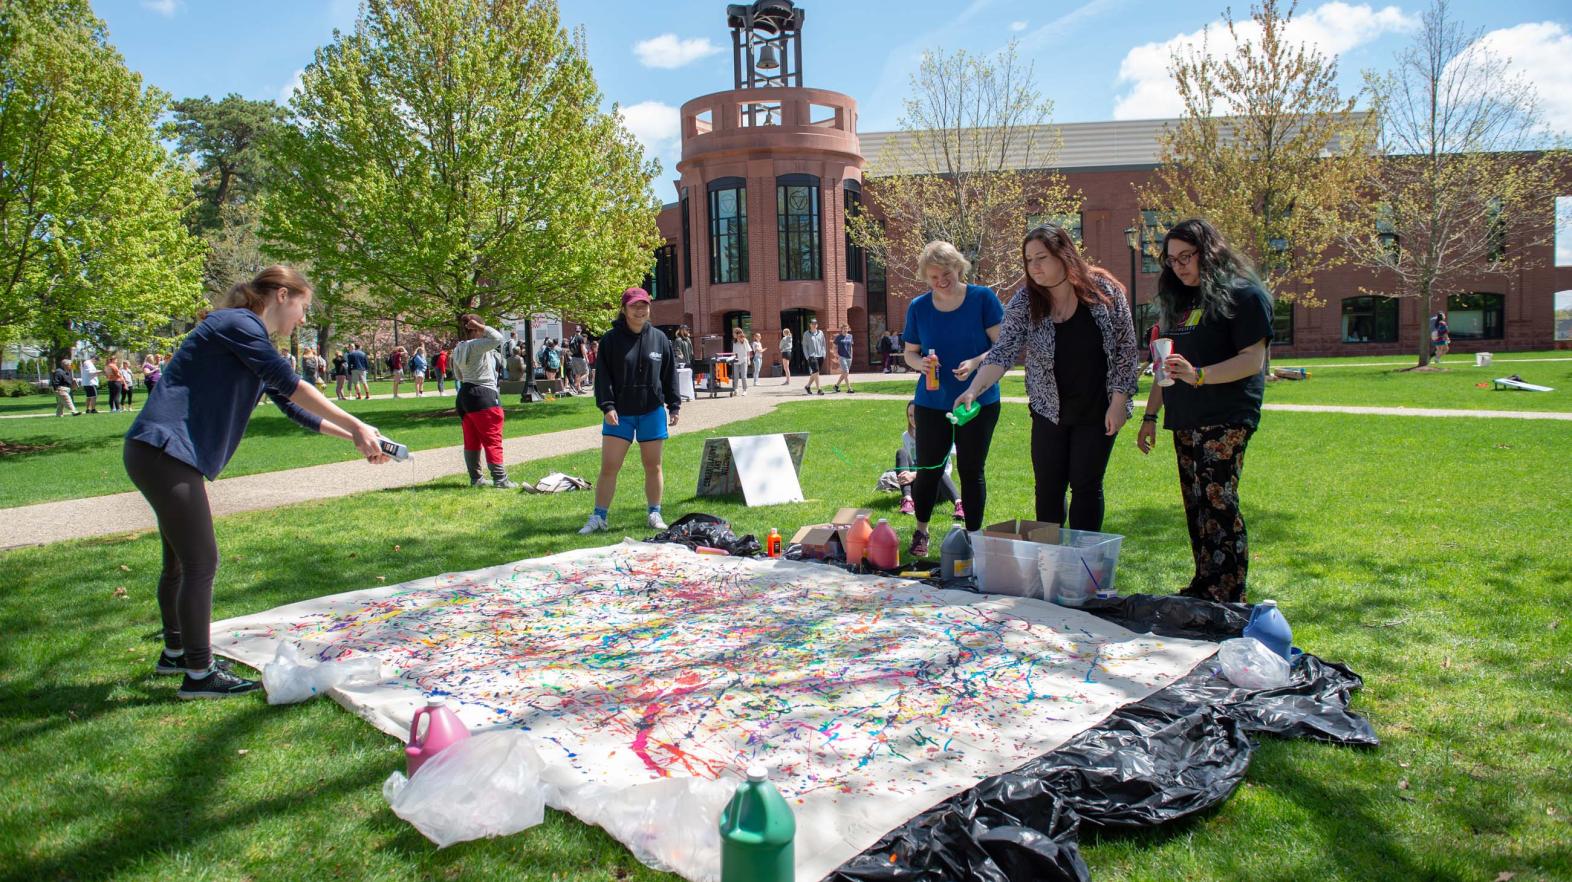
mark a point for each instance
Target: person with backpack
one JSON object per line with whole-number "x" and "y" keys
{"x": 417, "y": 370}
{"x": 551, "y": 360}
{"x": 636, "y": 390}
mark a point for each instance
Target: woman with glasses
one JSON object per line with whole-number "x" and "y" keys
{"x": 1219, "y": 316}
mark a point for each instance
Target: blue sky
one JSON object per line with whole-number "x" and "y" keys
{"x": 1097, "y": 60}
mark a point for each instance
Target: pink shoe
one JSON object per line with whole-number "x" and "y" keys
{"x": 960, "y": 513}
{"x": 907, "y": 506}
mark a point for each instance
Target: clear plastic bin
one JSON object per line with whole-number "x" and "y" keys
{"x": 1007, "y": 566}
{"x": 1080, "y": 568}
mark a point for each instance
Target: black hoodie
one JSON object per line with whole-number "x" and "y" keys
{"x": 636, "y": 373}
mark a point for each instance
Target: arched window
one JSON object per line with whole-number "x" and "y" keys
{"x": 797, "y": 218}
{"x": 854, "y": 252}
{"x": 1476, "y": 316}
{"x": 1369, "y": 320}
{"x": 728, "y": 230}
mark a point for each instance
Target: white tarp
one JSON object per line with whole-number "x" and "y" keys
{"x": 872, "y": 698}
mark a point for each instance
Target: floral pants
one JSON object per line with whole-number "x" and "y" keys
{"x": 1210, "y": 461}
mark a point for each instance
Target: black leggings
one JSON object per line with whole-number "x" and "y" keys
{"x": 185, "y": 522}
{"x": 934, "y": 436}
{"x": 114, "y": 394}
{"x": 1073, "y": 458}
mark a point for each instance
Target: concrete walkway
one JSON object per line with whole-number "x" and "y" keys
{"x": 81, "y": 518}
{"x": 122, "y": 512}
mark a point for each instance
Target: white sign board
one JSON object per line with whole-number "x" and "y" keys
{"x": 763, "y": 467}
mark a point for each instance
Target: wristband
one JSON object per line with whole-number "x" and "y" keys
{"x": 1149, "y": 418}
{"x": 1200, "y": 377}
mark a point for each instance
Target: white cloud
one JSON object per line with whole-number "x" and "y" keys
{"x": 1539, "y": 53}
{"x": 1018, "y": 26}
{"x": 656, "y": 125}
{"x": 669, "y": 51}
{"x": 1332, "y": 28}
{"x": 166, "y": 8}
{"x": 296, "y": 83}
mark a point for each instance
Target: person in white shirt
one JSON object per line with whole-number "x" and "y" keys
{"x": 90, "y": 374}
{"x": 742, "y": 350}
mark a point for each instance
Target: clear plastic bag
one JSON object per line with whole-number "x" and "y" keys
{"x": 292, "y": 677}
{"x": 672, "y": 824}
{"x": 486, "y": 785}
{"x": 1249, "y": 663}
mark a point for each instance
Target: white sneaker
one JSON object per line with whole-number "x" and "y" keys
{"x": 655, "y": 522}
{"x": 595, "y": 524}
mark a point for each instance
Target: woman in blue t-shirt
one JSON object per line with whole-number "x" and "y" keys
{"x": 958, "y": 323}
{"x": 1219, "y": 319}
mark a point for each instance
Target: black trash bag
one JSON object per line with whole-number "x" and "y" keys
{"x": 696, "y": 528}
{"x": 1180, "y": 751}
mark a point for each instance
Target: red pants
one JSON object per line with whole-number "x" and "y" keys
{"x": 483, "y": 430}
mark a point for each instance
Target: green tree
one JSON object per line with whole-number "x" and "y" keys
{"x": 92, "y": 243}
{"x": 1268, "y": 150}
{"x": 965, "y": 167}
{"x": 451, "y": 156}
{"x": 1459, "y": 192}
{"x": 223, "y": 138}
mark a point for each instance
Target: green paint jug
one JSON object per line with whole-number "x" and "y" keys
{"x": 963, "y": 413}
{"x": 756, "y": 830}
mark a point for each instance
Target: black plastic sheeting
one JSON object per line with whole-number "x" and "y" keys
{"x": 697, "y": 529}
{"x": 1181, "y": 751}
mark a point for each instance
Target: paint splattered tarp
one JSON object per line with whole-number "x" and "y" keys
{"x": 873, "y": 698}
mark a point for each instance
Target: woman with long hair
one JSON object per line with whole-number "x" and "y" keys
{"x": 742, "y": 353}
{"x": 1081, "y": 369}
{"x": 1213, "y": 307}
{"x": 787, "y": 345}
{"x": 958, "y": 323}
{"x": 636, "y": 390}
{"x": 187, "y": 431}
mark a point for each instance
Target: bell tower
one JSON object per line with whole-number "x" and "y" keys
{"x": 766, "y": 43}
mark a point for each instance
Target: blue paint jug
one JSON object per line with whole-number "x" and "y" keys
{"x": 1268, "y": 626}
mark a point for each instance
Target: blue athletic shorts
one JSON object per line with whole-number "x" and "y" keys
{"x": 641, "y": 427}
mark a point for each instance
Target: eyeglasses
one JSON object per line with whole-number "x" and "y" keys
{"x": 1184, "y": 258}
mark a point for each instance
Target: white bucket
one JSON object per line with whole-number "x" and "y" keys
{"x": 1482, "y": 359}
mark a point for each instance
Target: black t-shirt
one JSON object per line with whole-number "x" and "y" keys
{"x": 1080, "y": 369}
{"x": 1204, "y": 341}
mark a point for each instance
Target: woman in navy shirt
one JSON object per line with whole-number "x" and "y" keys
{"x": 959, "y": 323}
{"x": 188, "y": 430}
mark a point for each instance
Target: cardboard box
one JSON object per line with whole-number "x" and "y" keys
{"x": 1024, "y": 531}
{"x": 847, "y": 517}
{"x": 820, "y": 541}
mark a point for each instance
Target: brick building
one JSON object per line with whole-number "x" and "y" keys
{"x": 769, "y": 170}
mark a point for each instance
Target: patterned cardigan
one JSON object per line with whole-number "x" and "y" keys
{"x": 1118, "y": 345}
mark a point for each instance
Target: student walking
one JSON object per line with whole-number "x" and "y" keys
{"x": 813, "y": 353}
{"x": 113, "y": 378}
{"x": 417, "y": 369}
{"x": 1219, "y": 316}
{"x": 636, "y": 391}
{"x": 90, "y": 374}
{"x": 843, "y": 354}
{"x": 188, "y": 431}
{"x": 63, "y": 382}
{"x": 359, "y": 366}
{"x": 441, "y": 365}
{"x": 477, "y": 362}
{"x": 1082, "y": 364}
{"x": 959, "y": 323}
{"x": 787, "y": 345}
{"x": 396, "y": 365}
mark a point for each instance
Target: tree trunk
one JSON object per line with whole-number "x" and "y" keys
{"x": 1425, "y": 345}
{"x": 324, "y": 337}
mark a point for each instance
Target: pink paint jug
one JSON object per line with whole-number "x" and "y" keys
{"x": 857, "y": 539}
{"x": 443, "y": 729}
{"x": 884, "y": 546}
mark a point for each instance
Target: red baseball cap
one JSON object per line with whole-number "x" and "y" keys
{"x": 635, "y": 295}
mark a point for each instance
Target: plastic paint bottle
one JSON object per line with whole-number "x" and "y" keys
{"x": 884, "y": 546}
{"x": 757, "y": 829}
{"x": 963, "y": 413}
{"x": 857, "y": 539}
{"x": 1268, "y": 626}
{"x": 955, "y": 555}
{"x": 933, "y": 371}
{"x": 772, "y": 544}
{"x": 443, "y": 730}
{"x": 393, "y": 449}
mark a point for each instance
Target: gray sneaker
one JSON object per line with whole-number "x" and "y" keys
{"x": 595, "y": 524}
{"x": 656, "y": 523}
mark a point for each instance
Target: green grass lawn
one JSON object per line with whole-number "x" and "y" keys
{"x": 70, "y": 457}
{"x": 46, "y": 403}
{"x": 1430, "y": 556}
{"x": 1453, "y": 387}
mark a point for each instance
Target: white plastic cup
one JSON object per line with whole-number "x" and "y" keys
{"x": 1162, "y": 347}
